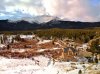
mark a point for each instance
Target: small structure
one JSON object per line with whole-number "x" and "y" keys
{"x": 70, "y": 54}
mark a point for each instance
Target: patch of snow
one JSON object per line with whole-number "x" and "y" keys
{"x": 18, "y": 50}
{"x": 97, "y": 66}
{"x": 27, "y": 36}
{"x": 41, "y": 50}
{"x": 2, "y": 45}
{"x": 56, "y": 48}
{"x": 44, "y": 41}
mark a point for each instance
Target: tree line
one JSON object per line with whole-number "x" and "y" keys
{"x": 80, "y": 35}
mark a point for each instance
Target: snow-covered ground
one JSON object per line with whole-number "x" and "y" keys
{"x": 45, "y": 66}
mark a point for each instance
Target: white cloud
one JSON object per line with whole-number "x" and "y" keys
{"x": 76, "y": 10}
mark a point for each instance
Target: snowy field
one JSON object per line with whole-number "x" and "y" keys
{"x": 45, "y": 66}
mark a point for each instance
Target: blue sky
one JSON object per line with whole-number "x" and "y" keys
{"x": 46, "y": 10}
{"x": 95, "y": 2}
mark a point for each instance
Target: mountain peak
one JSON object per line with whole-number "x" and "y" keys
{"x": 5, "y": 25}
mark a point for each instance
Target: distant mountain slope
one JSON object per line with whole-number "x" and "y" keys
{"x": 23, "y": 25}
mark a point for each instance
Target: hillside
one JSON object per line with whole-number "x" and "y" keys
{"x": 24, "y": 25}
